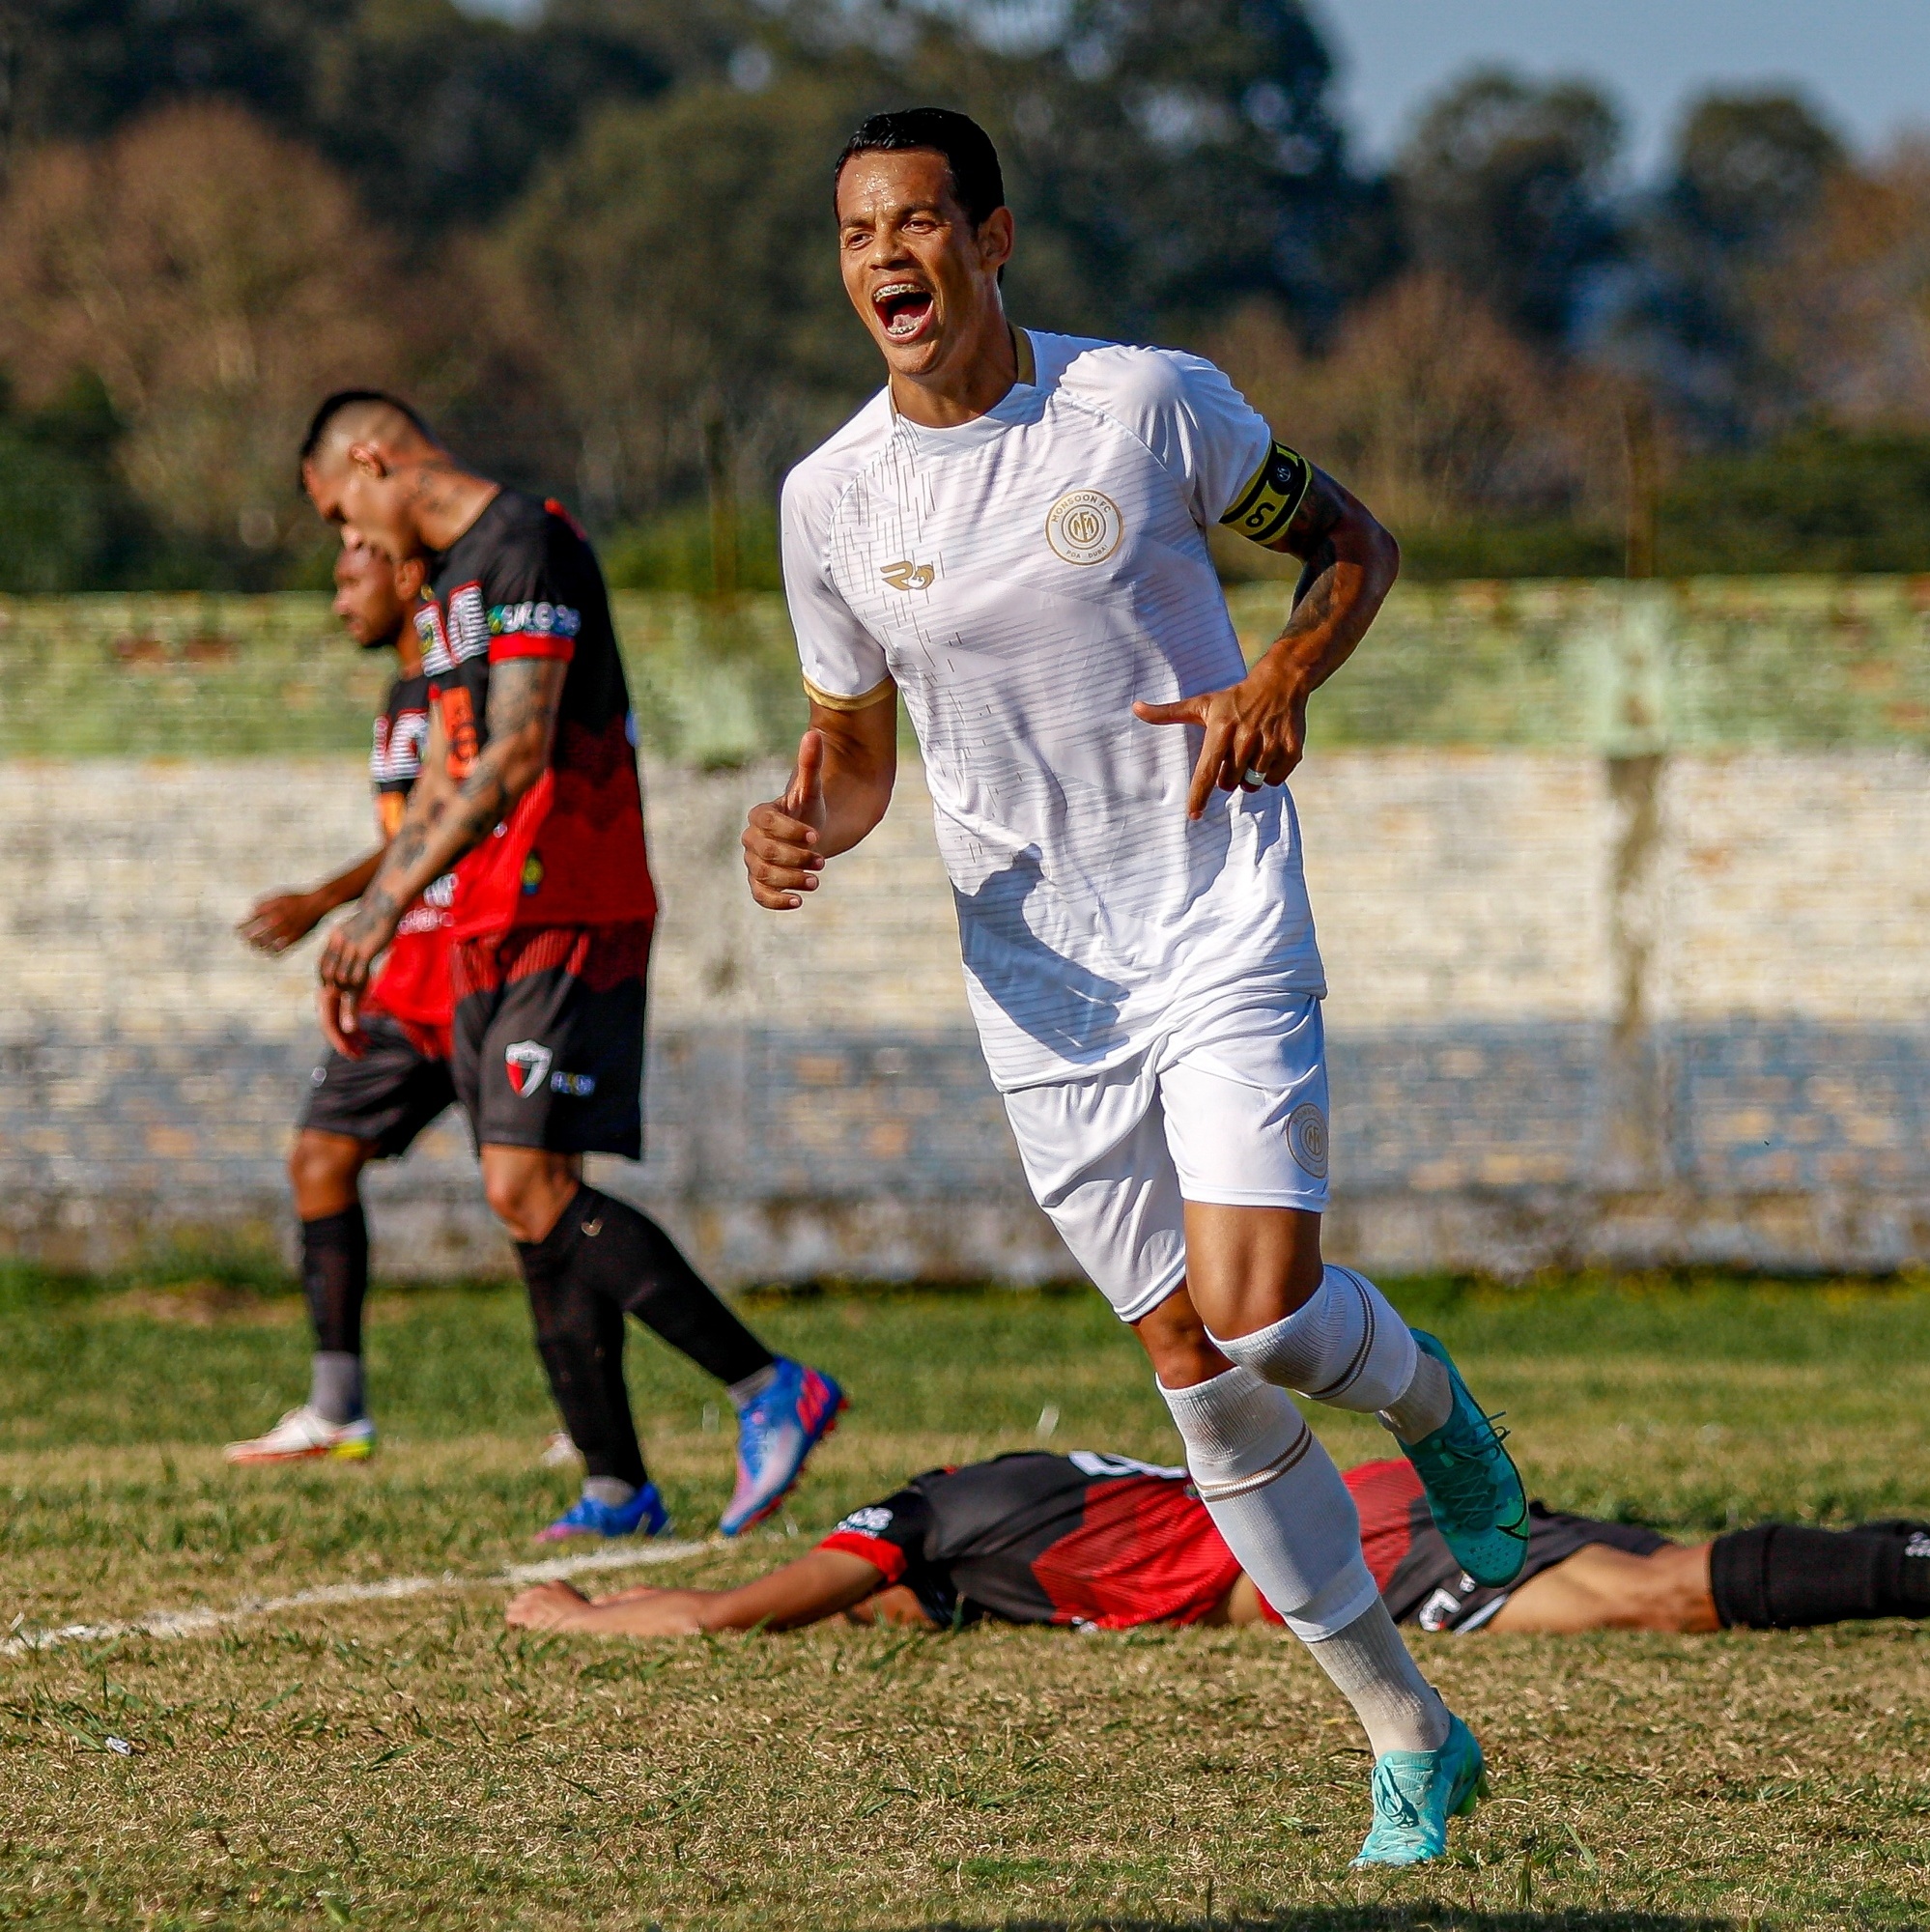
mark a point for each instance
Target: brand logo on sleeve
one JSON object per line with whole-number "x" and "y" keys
{"x": 1083, "y": 526}
{"x": 868, "y": 1521}
{"x": 908, "y": 576}
{"x": 528, "y": 1062}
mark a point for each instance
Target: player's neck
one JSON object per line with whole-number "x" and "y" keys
{"x": 444, "y": 501}
{"x": 967, "y": 384}
{"x": 408, "y": 651}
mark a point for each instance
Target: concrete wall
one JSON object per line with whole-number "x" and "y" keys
{"x": 1643, "y": 1011}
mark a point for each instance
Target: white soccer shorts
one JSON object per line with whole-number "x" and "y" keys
{"x": 1230, "y": 1106}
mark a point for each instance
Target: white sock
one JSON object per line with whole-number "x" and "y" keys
{"x": 1275, "y": 1496}
{"x": 1374, "y": 1670}
{"x": 612, "y": 1492}
{"x": 1427, "y": 1404}
{"x": 1343, "y": 1346}
{"x": 743, "y": 1394}
{"x": 335, "y": 1385}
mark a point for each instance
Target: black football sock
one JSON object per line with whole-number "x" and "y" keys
{"x": 624, "y": 1257}
{"x": 1784, "y": 1576}
{"x": 335, "y": 1278}
{"x": 579, "y": 1336}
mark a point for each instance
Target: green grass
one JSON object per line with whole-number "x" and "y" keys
{"x": 410, "y": 1762}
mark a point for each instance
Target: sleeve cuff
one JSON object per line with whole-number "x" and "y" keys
{"x": 872, "y": 1550}
{"x": 531, "y": 644}
{"x": 833, "y": 702}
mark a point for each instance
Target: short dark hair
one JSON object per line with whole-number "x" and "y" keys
{"x": 976, "y": 180}
{"x": 347, "y": 399}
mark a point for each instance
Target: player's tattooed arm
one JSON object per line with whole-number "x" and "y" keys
{"x": 282, "y": 920}
{"x": 1256, "y": 730}
{"x": 450, "y": 809}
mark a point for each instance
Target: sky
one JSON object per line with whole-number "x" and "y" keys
{"x": 1865, "y": 63}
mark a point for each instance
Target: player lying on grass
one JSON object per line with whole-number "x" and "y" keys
{"x": 1013, "y": 534}
{"x": 528, "y": 795}
{"x": 1107, "y": 1543}
{"x": 371, "y": 1106}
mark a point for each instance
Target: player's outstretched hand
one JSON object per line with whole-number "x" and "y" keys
{"x": 782, "y": 837}
{"x": 544, "y": 1606}
{"x": 1255, "y": 733}
{"x": 279, "y": 921}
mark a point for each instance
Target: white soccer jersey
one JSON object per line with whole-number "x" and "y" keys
{"x": 1023, "y": 579}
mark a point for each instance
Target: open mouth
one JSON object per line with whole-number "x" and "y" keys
{"x": 905, "y": 309}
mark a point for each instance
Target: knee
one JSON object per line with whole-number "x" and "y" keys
{"x": 526, "y": 1193}
{"x": 321, "y": 1173}
{"x": 1176, "y": 1344}
{"x": 508, "y": 1194}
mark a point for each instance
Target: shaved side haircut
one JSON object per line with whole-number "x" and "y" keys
{"x": 358, "y": 414}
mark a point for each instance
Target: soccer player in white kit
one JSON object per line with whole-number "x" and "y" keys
{"x": 1013, "y": 534}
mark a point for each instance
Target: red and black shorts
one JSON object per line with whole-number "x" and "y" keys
{"x": 549, "y": 1038}
{"x": 388, "y": 1096}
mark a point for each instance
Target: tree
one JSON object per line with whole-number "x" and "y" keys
{"x": 1710, "y": 266}
{"x": 1503, "y": 187}
{"x": 676, "y": 274}
{"x": 438, "y": 115}
{"x": 1847, "y": 315}
{"x": 1432, "y": 410}
{"x": 217, "y": 280}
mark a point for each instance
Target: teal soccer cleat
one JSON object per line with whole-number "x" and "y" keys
{"x": 1415, "y": 1793}
{"x": 1473, "y": 1487}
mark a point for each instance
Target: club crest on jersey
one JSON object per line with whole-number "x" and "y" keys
{"x": 527, "y": 1062}
{"x": 1307, "y": 1138}
{"x": 1083, "y": 526}
{"x": 908, "y": 576}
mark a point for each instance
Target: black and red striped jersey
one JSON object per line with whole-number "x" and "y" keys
{"x": 523, "y": 582}
{"x": 1039, "y": 1538}
{"x": 1110, "y": 1543}
{"x": 413, "y": 982}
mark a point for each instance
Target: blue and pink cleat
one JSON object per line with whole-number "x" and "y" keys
{"x": 776, "y": 1433}
{"x": 646, "y": 1513}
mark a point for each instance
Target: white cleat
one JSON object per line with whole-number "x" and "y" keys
{"x": 301, "y": 1435}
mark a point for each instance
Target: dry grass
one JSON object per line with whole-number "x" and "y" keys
{"x": 414, "y": 1763}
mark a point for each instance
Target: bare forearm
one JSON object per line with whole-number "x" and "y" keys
{"x": 860, "y": 767}
{"x": 445, "y": 819}
{"x": 352, "y": 884}
{"x": 1351, "y": 562}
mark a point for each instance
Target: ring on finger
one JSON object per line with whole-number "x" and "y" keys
{"x": 1252, "y": 777}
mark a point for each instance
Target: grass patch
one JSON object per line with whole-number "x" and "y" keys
{"x": 414, "y": 1762}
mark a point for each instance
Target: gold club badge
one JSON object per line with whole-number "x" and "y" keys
{"x": 1083, "y": 526}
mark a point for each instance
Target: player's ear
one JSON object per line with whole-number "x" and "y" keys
{"x": 369, "y": 459}
{"x": 994, "y": 238}
{"x": 408, "y": 576}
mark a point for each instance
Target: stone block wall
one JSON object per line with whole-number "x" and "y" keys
{"x": 1644, "y": 1009}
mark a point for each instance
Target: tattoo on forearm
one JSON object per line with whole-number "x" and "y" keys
{"x": 442, "y": 825}
{"x": 1314, "y": 594}
{"x": 521, "y": 692}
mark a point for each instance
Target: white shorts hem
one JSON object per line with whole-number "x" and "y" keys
{"x": 1141, "y": 1306}
{"x": 1312, "y": 1201}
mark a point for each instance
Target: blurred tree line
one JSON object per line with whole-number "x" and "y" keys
{"x": 596, "y": 248}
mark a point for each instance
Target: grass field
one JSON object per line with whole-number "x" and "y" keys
{"x": 408, "y": 1761}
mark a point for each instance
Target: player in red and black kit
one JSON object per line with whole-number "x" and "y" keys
{"x": 529, "y": 792}
{"x": 1106, "y": 1542}
{"x": 373, "y": 1105}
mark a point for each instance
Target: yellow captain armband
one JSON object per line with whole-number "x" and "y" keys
{"x": 1272, "y": 494}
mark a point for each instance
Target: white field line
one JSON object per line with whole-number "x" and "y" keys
{"x": 200, "y": 1622}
